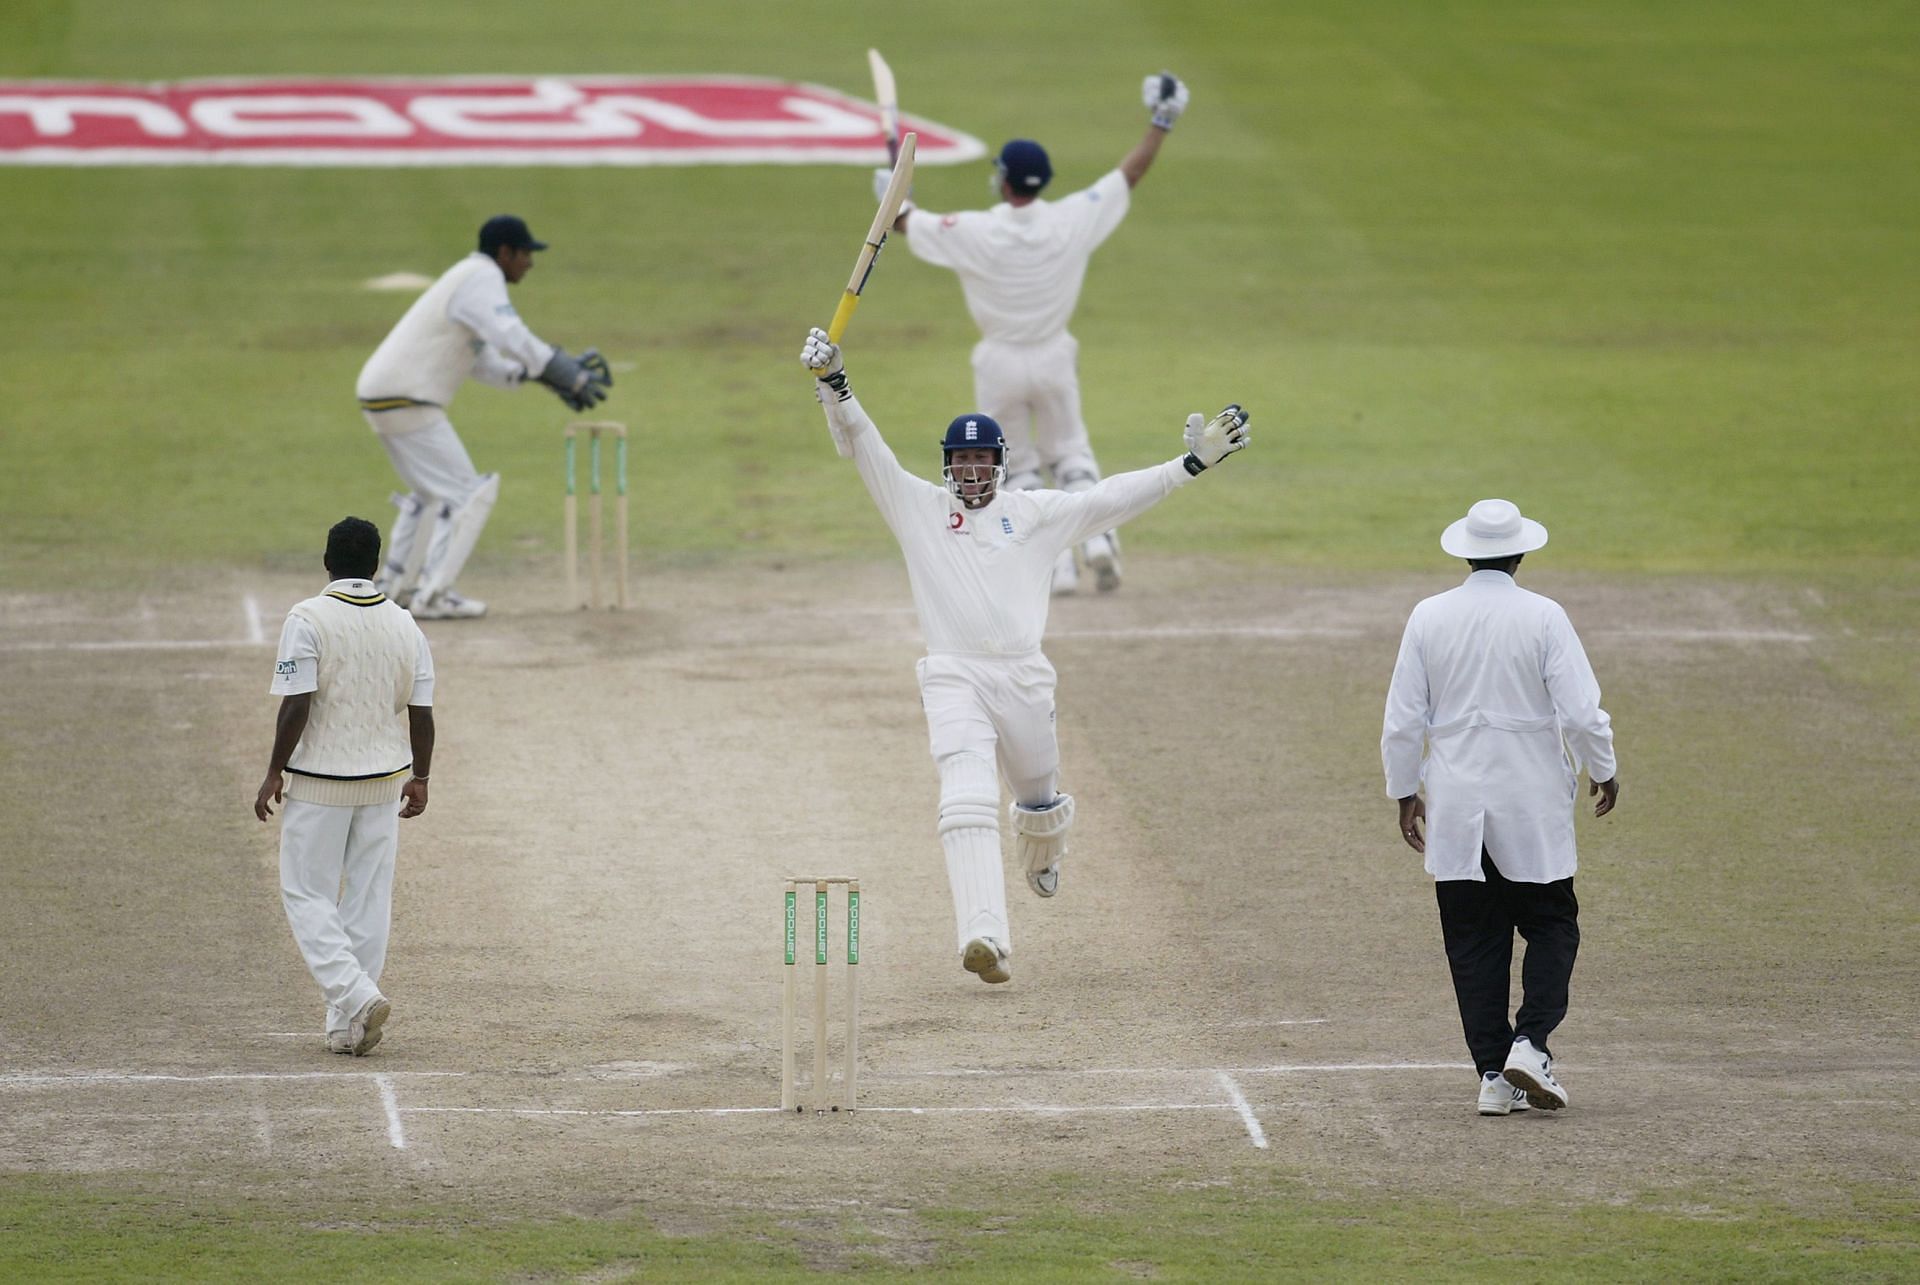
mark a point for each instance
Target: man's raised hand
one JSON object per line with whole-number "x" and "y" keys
{"x": 1211, "y": 440}
{"x": 1165, "y": 96}
{"x": 821, "y": 355}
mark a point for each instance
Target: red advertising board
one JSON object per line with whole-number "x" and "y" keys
{"x": 439, "y": 121}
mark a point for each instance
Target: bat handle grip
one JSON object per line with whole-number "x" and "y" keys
{"x": 841, "y": 316}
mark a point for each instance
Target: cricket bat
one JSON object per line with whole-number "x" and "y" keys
{"x": 889, "y": 99}
{"x": 876, "y": 237}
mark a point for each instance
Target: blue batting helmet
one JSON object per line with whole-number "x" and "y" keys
{"x": 1024, "y": 164}
{"x": 974, "y": 430}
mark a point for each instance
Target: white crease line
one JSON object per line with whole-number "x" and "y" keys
{"x": 396, "y": 1134}
{"x": 1214, "y": 631}
{"x": 607, "y": 1111}
{"x": 1707, "y": 635}
{"x": 124, "y": 1077}
{"x": 1024, "y": 1109}
{"x": 138, "y": 644}
{"x": 256, "y": 631}
{"x": 1277, "y": 1021}
{"x": 1240, "y": 1104}
{"x": 262, "y": 1126}
{"x": 1300, "y": 1068}
{"x": 1308, "y": 1068}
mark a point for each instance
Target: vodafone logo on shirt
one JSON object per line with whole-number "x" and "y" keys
{"x": 547, "y": 120}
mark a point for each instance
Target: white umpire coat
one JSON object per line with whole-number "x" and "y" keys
{"x": 1494, "y": 708}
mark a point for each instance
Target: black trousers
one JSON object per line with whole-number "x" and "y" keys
{"x": 1478, "y": 921}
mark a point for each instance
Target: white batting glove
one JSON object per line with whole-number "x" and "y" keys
{"x": 1166, "y": 97}
{"x": 821, "y": 355}
{"x": 1211, "y": 440}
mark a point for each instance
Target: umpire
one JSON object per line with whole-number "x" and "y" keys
{"x": 355, "y": 731}
{"x": 1493, "y": 685}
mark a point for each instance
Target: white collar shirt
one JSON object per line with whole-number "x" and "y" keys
{"x": 1493, "y": 708}
{"x": 1021, "y": 267}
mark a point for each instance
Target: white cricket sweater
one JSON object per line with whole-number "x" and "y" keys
{"x": 357, "y": 747}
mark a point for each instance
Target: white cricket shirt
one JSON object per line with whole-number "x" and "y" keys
{"x": 1021, "y": 268}
{"x": 1492, "y": 683}
{"x": 982, "y": 578}
{"x": 462, "y": 326}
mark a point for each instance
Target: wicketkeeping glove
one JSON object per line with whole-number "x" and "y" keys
{"x": 581, "y": 382}
{"x": 1166, "y": 97}
{"x": 1211, "y": 440}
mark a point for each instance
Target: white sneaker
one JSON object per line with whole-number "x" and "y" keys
{"x": 1531, "y": 1071}
{"x": 1497, "y": 1097}
{"x": 339, "y": 1042}
{"x": 448, "y": 605}
{"x": 987, "y": 959}
{"x": 363, "y": 1032}
{"x": 1045, "y": 882}
{"x": 1066, "y": 576}
{"x": 1103, "y": 559}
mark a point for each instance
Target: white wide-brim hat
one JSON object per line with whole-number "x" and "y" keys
{"x": 1493, "y": 529}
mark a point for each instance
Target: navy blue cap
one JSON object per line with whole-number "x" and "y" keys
{"x": 1025, "y": 165}
{"x": 974, "y": 430}
{"x": 508, "y": 230}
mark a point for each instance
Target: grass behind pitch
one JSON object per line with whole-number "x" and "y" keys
{"x": 1647, "y": 269}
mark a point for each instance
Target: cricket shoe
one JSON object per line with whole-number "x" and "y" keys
{"x": 1066, "y": 575}
{"x": 363, "y": 1032}
{"x": 987, "y": 959}
{"x": 1531, "y": 1071}
{"x": 339, "y": 1042}
{"x": 1044, "y": 882}
{"x": 1103, "y": 559}
{"x": 448, "y": 605}
{"x": 1497, "y": 1097}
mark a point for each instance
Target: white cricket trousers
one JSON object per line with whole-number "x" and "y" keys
{"x": 440, "y": 478}
{"x": 336, "y": 880}
{"x": 1033, "y": 392}
{"x": 983, "y": 713}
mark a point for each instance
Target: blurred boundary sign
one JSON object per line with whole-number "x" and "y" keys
{"x": 445, "y": 121}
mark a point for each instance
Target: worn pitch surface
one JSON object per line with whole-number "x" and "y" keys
{"x": 1243, "y": 969}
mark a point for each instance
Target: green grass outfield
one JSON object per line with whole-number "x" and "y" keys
{"x": 1074, "y": 1231}
{"x": 1648, "y": 269}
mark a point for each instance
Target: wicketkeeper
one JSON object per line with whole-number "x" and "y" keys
{"x": 979, "y": 558}
{"x": 462, "y": 327}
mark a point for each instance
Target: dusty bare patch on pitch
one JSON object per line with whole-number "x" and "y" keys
{"x": 587, "y": 927}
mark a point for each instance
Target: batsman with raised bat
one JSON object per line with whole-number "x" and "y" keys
{"x": 979, "y": 558}
{"x": 1021, "y": 265}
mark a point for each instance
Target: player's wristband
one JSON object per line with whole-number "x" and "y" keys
{"x": 837, "y": 381}
{"x": 1193, "y": 464}
{"x": 417, "y": 778}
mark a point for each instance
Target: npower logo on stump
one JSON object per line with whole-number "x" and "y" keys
{"x": 547, "y": 120}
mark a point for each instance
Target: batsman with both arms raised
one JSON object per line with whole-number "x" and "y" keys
{"x": 980, "y": 559}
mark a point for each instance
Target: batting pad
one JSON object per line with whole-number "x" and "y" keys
{"x": 970, "y": 838}
{"x": 1040, "y": 836}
